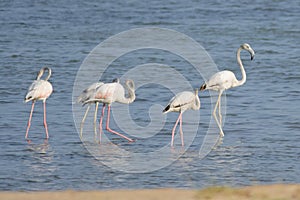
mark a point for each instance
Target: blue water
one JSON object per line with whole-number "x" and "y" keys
{"x": 262, "y": 131}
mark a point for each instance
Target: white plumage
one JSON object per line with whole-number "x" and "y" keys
{"x": 107, "y": 93}
{"x": 224, "y": 80}
{"x": 180, "y": 103}
{"x": 89, "y": 92}
{"x": 39, "y": 90}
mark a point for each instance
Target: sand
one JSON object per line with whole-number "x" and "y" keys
{"x": 267, "y": 192}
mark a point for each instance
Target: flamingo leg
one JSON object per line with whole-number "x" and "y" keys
{"x": 215, "y": 116}
{"x": 95, "y": 119}
{"x": 45, "y": 121}
{"x": 112, "y": 131}
{"x": 181, "y": 132}
{"x": 220, "y": 115}
{"x": 174, "y": 128}
{"x": 100, "y": 123}
{"x": 29, "y": 120}
{"x": 83, "y": 119}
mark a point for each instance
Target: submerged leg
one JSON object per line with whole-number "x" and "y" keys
{"x": 83, "y": 119}
{"x": 100, "y": 123}
{"x": 112, "y": 131}
{"x": 174, "y": 128}
{"x": 45, "y": 121}
{"x": 29, "y": 120}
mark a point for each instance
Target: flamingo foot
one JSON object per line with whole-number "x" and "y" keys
{"x": 119, "y": 134}
{"x": 221, "y": 133}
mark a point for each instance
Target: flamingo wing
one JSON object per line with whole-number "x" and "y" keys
{"x": 89, "y": 92}
{"x": 221, "y": 81}
{"x": 106, "y": 92}
{"x": 180, "y": 102}
{"x": 39, "y": 90}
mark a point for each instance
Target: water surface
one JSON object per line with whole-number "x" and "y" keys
{"x": 262, "y": 131}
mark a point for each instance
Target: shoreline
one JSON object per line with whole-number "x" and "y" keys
{"x": 266, "y": 192}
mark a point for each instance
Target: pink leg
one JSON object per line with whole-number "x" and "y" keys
{"x": 29, "y": 120}
{"x": 181, "y": 133}
{"x": 101, "y": 119}
{"x": 174, "y": 128}
{"x": 45, "y": 121}
{"x": 112, "y": 131}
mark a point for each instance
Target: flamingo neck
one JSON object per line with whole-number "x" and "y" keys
{"x": 196, "y": 106}
{"x": 131, "y": 97}
{"x": 41, "y": 73}
{"x": 244, "y": 77}
{"x": 49, "y": 73}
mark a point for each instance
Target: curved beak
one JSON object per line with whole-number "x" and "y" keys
{"x": 252, "y": 54}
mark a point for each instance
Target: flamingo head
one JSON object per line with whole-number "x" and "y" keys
{"x": 248, "y": 48}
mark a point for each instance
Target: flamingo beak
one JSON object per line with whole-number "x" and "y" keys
{"x": 252, "y": 54}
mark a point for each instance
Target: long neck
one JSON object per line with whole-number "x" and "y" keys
{"x": 196, "y": 106}
{"x": 131, "y": 96}
{"x": 41, "y": 73}
{"x": 238, "y": 57}
{"x": 49, "y": 73}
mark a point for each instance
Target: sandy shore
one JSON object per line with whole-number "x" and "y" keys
{"x": 267, "y": 192}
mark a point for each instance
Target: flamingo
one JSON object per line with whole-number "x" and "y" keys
{"x": 224, "y": 80}
{"x": 39, "y": 90}
{"x": 179, "y": 103}
{"x": 108, "y": 93}
{"x": 86, "y": 96}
